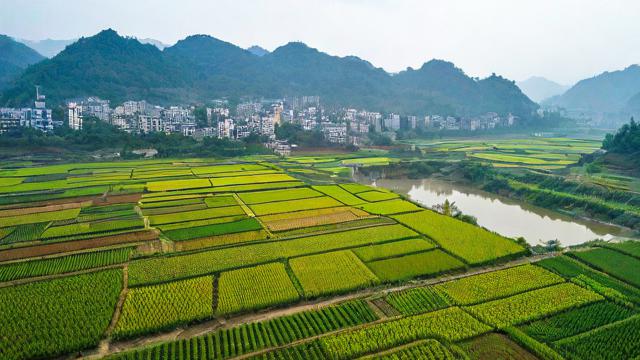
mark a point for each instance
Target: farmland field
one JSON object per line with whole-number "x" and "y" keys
{"x": 331, "y": 273}
{"x": 405, "y": 267}
{"x": 282, "y": 258}
{"x": 254, "y": 288}
{"x": 162, "y": 306}
{"x": 465, "y": 241}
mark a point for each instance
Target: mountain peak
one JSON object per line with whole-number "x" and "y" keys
{"x": 257, "y": 50}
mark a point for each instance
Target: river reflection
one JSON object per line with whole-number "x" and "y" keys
{"x": 505, "y": 216}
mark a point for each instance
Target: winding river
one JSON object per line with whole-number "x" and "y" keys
{"x": 505, "y": 216}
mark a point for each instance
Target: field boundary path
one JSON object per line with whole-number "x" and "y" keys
{"x": 208, "y": 326}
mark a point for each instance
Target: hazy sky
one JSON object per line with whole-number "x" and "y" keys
{"x": 564, "y": 40}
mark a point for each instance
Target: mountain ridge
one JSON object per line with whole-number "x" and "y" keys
{"x": 201, "y": 67}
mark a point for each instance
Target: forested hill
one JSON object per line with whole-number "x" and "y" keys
{"x": 14, "y": 57}
{"x": 201, "y": 67}
{"x": 625, "y": 141}
{"x": 608, "y": 92}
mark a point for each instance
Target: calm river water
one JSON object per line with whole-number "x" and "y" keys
{"x": 505, "y": 216}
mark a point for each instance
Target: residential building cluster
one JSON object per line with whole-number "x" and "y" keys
{"x": 37, "y": 117}
{"x": 255, "y": 117}
{"x": 133, "y": 116}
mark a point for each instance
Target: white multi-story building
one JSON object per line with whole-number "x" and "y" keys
{"x": 225, "y": 129}
{"x": 392, "y": 122}
{"x": 74, "y": 116}
{"x": 335, "y": 133}
{"x": 148, "y": 123}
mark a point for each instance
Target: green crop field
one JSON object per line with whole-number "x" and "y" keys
{"x": 376, "y": 252}
{"x": 620, "y": 340}
{"x": 473, "y": 244}
{"x": 621, "y": 266}
{"x": 450, "y": 324}
{"x": 340, "y": 194}
{"x": 577, "y": 321}
{"x": 532, "y": 305}
{"x": 331, "y": 273}
{"x": 213, "y": 230}
{"x": 166, "y": 268}
{"x": 63, "y": 264}
{"x": 294, "y": 205}
{"x": 428, "y": 263}
{"x": 255, "y": 288}
{"x": 426, "y": 349}
{"x": 497, "y": 284}
{"x": 271, "y": 257}
{"x": 158, "y": 307}
{"x": 50, "y": 318}
{"x": 419, "y": 300}
{"x": 277, "y": 195}
{"x": 390, "y": 207}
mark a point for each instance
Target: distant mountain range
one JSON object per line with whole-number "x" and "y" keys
{"x": 47, "y": 47}
{"x": 200, "y": 67}
{"x": 609, "y": 92}
{"x": 538, "y": 88}
{"x": 14, "y": 58}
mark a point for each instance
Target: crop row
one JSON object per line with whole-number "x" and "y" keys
{"x": 255, "y": 288}
{"x": 63, "y": 264}
{"x": 451, "y": 324}
{"x": 475, "y": 245}
{"x": 236, "y": 341}
{"x": 247, "y": 224}
{"x": 49, "y": 318}
{"x": 497, "y": 284}
{"x": 158, "y": 307}
{"x": 576, "y": 321}
{"x": 532, "y": 305}
{"x": 167, "y": 268}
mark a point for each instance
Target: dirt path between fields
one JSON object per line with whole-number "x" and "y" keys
{"x": 214, "y": 324}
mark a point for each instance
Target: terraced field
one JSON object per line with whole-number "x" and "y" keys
{"x": 123, "y": 252}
